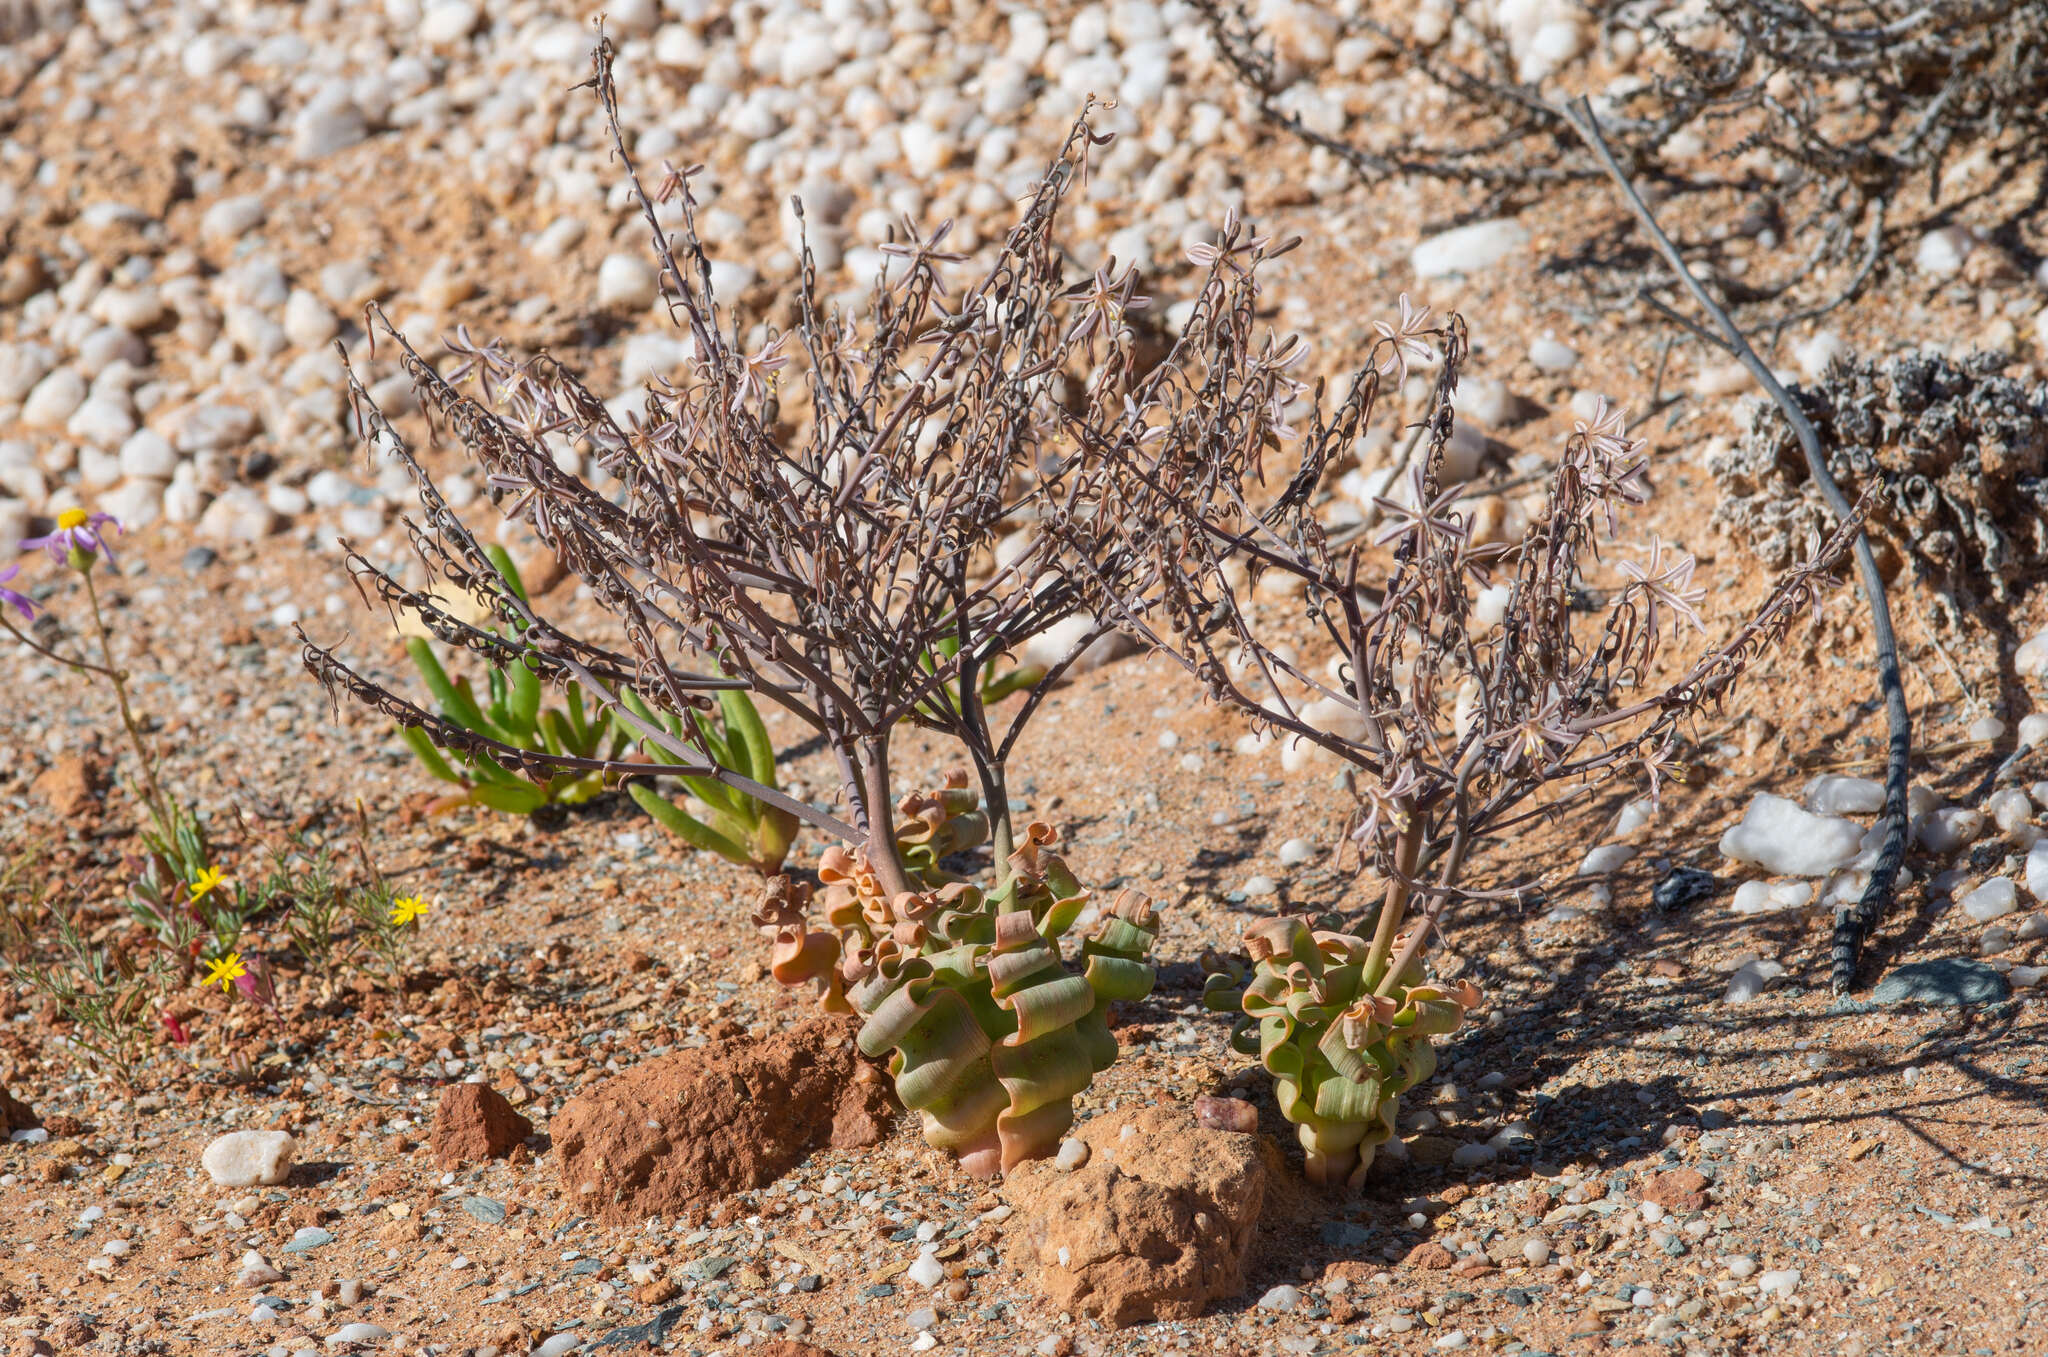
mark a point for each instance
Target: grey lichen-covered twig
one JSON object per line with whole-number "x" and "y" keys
{"x": 1853, "y": 925}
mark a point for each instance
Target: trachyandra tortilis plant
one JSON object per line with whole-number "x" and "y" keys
{"x": 1462, "y": 686}
{"x": 991, "y": 1036}
{"x": 1340, "y": 1055}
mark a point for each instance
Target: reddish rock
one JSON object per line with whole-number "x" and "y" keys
{"x": 1679, "y": 1191}
{"x": 15, "y": 1115}
{"x": 1227, "y": 1114}
{"x": 1154, "y": 1226}
{"x": 737, "y": 1114}
{"x": 475, "y": 1123}
{"x": 70, "y": 787}
{"x": 1430, "y": 1256}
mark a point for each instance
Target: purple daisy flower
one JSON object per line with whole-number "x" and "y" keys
{"x": 22, "y": 602}
{"x": 79, "y": 532}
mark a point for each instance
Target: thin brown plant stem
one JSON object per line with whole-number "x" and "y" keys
{"x": 1394, "y": 906}
{"x": 118, "y": 678}
{"x": 881, "y": 819}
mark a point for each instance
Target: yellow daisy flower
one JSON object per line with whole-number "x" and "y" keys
{"x": 225, "y": 972}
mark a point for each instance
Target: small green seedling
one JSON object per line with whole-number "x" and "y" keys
{"x": 739, "y": 828}
{"x": 514, "y": 715}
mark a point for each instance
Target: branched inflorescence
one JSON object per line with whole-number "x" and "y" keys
{"x": 1463, "y": 683}
{"x": 855, "y": 519}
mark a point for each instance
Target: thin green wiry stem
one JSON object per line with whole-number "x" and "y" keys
{"x": 118, "y": 678}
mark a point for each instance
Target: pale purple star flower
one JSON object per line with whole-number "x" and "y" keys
{"x": 19, "y": 601}
{"x": 1406, "y": 338}
{"x": 77, "y": 531}
{"x": 1665, "y": 581}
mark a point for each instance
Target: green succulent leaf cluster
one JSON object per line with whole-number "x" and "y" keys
{"x": 739, "y": 828}
{"x": 1340, "y": 1053}
{"x": 990, "y": 1029}
{"x": 513, "y": 714}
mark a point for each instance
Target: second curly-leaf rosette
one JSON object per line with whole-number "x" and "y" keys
{"x": 1342, "y": 1045}
{"x": 990, "y": 1034}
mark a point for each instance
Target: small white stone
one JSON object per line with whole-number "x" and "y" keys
{"x": 2035, "y": 874}
{"x": 927, "y": 1271}
{"x": 255, "y": 1271}
{"x": 1994, "y": 899}
{"x": 447, "y": 21}
{"x": 371, "y": 1335}
{"x": 248, "y": 1158}
{"x": 1741, "y": 1268}
{"x": 560, "y": 236}
{"x": 1750, "y": 980}
{"x": 1759, "y": 897}
{"x": 807, "y": 54}
{"x": 1948, "y": 829}
{"x": 626, "y": 280}
{"x": 1537, "y": 1252}
{"x": 1782, "y": 1282}
{"x": 2033, "y": 729}
{"x": 102, "y": 421}
{"x": 1468, "y": 249}
{"x": 1985, "y": 730}
{"x": 1474, "y": 1154}
{"x": 926, "y": 149}
{"x": 53, "y": 399}
{"x": 1785, "y": 840}
{"x": 1281, "y": 1300}
{"x": 1549, "y": 355}
{"x": 22, "y": 366}
{"x": 332, "y": 122}
{"x": 232, "y": 218}
{"x": 1814, "y": 355}
{"x": 131, "y": 309}
{"x": 1490, "y": 608}
{"x": 1072, "y": 1155}
{"x": 1832, "y": 794}
{"x": 149, "y": 454}
{"x": 307, "y": 321}
{"x": 1941, "y": 252}
{"x": 557, "y": 1346}
{"x": 1606, "y": 858}
{"x": 1295, "y": 852}
{"x": 1258, "y": 886}
{"x": 2009, "y": 809}
{"x": 634, "y": 18}
{"x": 211, "y": 428}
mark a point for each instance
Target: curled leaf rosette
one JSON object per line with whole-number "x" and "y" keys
{"x": 990, "y": 1026}
{"x": 1341, "y": 1055}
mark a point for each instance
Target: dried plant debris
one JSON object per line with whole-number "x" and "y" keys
{"x": 1821, "y": 117}
{"x": 1957, "y": 449}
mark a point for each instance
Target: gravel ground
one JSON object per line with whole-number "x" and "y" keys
{"x": 195, "y": 203}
